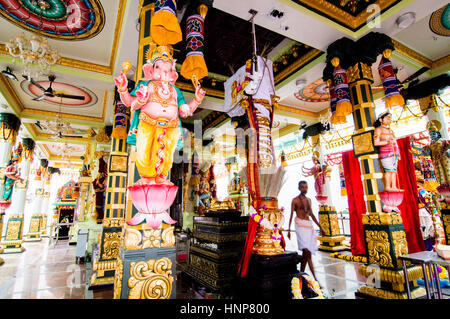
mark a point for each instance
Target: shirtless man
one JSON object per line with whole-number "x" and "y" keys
{"x": 306, "y": 236}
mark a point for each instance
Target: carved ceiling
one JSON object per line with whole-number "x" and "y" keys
{"x": 352, "y": 14}
{"x": 228, "y": 45}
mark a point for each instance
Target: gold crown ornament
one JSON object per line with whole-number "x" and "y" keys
{"x": 434, "y": 126}
{"x": 162, "y": 52}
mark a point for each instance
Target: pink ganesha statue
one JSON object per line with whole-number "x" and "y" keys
{"x": 159, "y": 105}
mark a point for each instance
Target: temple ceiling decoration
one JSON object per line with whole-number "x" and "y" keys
{"x": 316, "y": 91}
{"x": 57, "y": 19}
{"x": 352, "y": 14}
{"x": 440, "y": 21}
{"x": 226, "y": 56}
{"x": 90, "y": 98}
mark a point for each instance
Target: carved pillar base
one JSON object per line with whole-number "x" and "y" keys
{"x": 332, "y": 239}
{"x": 385, "y": 241}
{"x": 34, "y": 233}
{"x": 44, "y": 232}
{"x": 146, "y": 263}
{"x": 445, "y": 216}
{"x": 13, "y": 239}
{"x": 103, "y": 267}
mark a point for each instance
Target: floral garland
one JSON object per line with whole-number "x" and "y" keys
{"x": 297, "y": 285}
{"x": 358, "y": 259}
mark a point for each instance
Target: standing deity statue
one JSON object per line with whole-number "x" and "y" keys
{"x": 388, "y": 150}
{"x": 160, "y": 104}
{"x": 319, "y": 172}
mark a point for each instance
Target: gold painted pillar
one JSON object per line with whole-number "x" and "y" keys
{"x": 115, "y": 203}
{"x": 384, "y": 233}
{"x": 34, "y": 232}
{"x": 14, "y": 228}
{"x": 147, "y": 257}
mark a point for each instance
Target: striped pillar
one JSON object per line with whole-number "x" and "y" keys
{"x": 34, "y": 231}
{"x": 384, "y": 234}
{"x": 115, "y": 207}
{"x": 360, "y": 79}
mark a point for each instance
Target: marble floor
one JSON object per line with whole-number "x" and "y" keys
{"x": 50, "y": 272}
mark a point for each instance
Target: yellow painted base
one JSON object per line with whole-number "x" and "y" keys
{"x": 1, "y": 261}
{"x": 34, "y": 237}
{"x": 333, "y": 248}
{"x": 386, "y": 294}
{"x": 14, "y": 250}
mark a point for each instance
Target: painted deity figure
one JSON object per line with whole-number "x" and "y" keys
{"x": 12, "y": 174}
{"x": 388, "y": 150}
{"x": 439, "y": 151}
{"x": 160, "y": 104}
{"x": 319, "y": 172}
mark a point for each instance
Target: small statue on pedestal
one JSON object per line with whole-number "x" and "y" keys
{"x": 320, "y": 173}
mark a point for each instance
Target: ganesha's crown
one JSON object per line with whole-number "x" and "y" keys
{"x": 162, "y": 52}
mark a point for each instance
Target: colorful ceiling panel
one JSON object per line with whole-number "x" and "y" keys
{"x": 440, "y": 21}
{"x": 90, "y": 98}
{"x": 316, "y": 91}
{"x": 58, "y": 19}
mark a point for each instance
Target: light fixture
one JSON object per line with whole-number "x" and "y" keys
{"x": 300, "y": 83}
{"x": 8, "y": 73}
{"x": 59, "y": 128}
{"x": 406, "y": 20}
{"x": 33, "y": 52}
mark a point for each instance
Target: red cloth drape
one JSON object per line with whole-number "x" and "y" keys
{"x": 409, "y": 207}
{"x": 356, "y": 203}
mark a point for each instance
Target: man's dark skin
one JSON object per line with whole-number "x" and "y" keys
{"x": 301, "y": 205}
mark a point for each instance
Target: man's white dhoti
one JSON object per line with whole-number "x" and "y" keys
{"x": 306, "y": 235}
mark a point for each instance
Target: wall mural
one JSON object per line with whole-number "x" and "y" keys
{"x": 316, "y": 91}
{"x": 440, "y": 21}
{"x": 58, "y": 19}
{"x": 90, "y": 98}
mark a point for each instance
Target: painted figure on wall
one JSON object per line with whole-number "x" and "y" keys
{"x": 12, "y": 174}
{"x": 160, "y": 104}
{"x": 388, "y": 150}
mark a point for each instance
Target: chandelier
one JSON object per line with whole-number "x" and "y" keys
{"x": 33, "y": 52}
{"x": 59, "y": 128}
{"x": 65, "y": 151}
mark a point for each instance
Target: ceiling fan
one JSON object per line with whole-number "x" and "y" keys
{"x": 48, "y": 92}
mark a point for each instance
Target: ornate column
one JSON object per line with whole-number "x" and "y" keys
{"x": 385, "y": 237}
{"x": 34, "y": 232}
{"x": 14, "y": 228}
{"x": 44, "y": 211}
{"x": 145, "y": 254}
{"x": 113, "y": 221}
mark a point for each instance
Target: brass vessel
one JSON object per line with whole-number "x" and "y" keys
{"x": 264, "y": 244}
